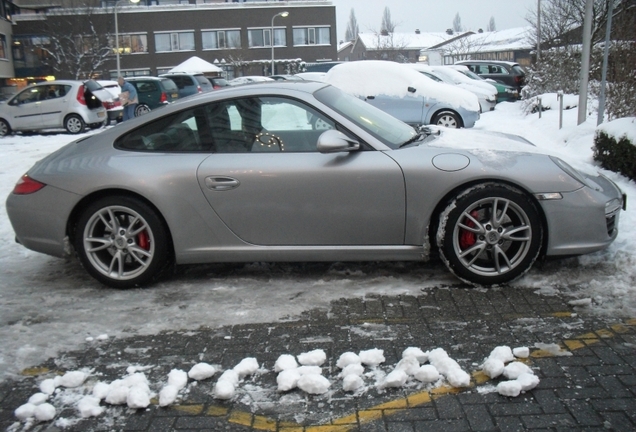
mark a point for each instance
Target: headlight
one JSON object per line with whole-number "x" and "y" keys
{"x": 570, "y": 171}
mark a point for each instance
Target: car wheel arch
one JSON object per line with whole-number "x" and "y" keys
{"x": 439, "y": 111}
{"x": 81, "y": 206}
{"x": 463, "y": 188}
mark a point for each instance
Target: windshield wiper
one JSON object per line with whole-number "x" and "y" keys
{"x": 422, "y": 132}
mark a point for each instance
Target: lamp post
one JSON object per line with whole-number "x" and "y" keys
{"x": 283, "y": 14}
{"x": 117, "y": 34}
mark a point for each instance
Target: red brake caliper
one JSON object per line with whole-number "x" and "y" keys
{"x": 143, "y": 240}
{"x": 468, "y": 238}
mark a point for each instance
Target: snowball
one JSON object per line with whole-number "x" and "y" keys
{"x": 224, "y": 389}
{"x": 514, "y": 369}
{"x": 449, "y": 368}
{"x": 420, "y": 355}
{"x": 528, "y": 381}
{"x": 38, "y": 398}
{"x": 138, "y": 397}
{"x": 408, "y": 364}
{"x": 457, "y": 377}
{"x": 521, "y": 352}
{"x": 493, "y": 367}
{"x": 102, "y": 337}
{"x": 134, "y": 379}
{"x": 288, "y": 379}
{"x": 313, "y": 384}
{"x": 352, "y": 369}
{"x": 24, "y": 412}
{"x": 309, "y": 370}
{"x": 178, "y": 378}
{"x": 45, "y": 412}
{"x": 397, "y": 378}
{"x": 427, "y": 374}
{"x": 347, "y": 359}
{"x": 72, "y": 379}
{"x": 230, "y": 376}
{"x": 352, "y": 382}
{"x": 48, "y": 386}
{"x": 581, "y": 302}
{"x": 509, "y": 388}
{"x": 89, "y": 406}
{"x": 503, "y": 353}
{"x": 117, "y": 395}
{"x": 284, "y": 362}
{"x": 100, "y": 390}
{"x": 372, "y": 357}
{"x": 312, "y": 358}
{"x": 168, "y": 395}
{"x": 247, "y": 366}
{"x": 201, "y": 371}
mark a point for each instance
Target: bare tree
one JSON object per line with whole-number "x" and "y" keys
{"x": 352, "y": 27}
{"x": 390, "y": 47}
{"x": 491, "y": 25}
{"x": 457, "y": 23}
{"x": 387, "y": 24}
{"x": 75, "y": 41}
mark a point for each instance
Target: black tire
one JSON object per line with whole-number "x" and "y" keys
{"x": 448, "y": 119}
{"x": 486, "y": 247}
{"x": 74, "y": 124}
{"x": 122, "y": 242}
{"x": 5, "y": 129}
{"x": 141, "y": 109}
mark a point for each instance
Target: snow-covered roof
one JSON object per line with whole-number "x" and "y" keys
{"x": 501, "y": 40}
{"x": 196, "y": 65}
{"x": 406, "y": 40}
{"x": 344, "y": 45}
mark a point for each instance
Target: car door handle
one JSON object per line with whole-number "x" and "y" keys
{"x": 370, "y": 97}
{"x": 221, "y": 183}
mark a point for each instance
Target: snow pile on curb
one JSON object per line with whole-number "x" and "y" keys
{"x": 502, "y": 362}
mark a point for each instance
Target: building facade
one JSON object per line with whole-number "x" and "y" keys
{"x": 241, "y": 38}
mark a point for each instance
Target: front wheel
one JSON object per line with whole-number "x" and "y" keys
{"x": 5, "y": 129}
{"x": 74, "y": 124}
{"x": 122, "y": 242}
{"x": 490, "y": 234}
{"x": 447, "y": 119}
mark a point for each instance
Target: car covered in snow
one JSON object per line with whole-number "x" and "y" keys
{"x": 405, "y": 93}
{"x": 505, "y": 93}
{"x": 302, "y": 171}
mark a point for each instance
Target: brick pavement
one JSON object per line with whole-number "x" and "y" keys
{"x": 592, "y": 387}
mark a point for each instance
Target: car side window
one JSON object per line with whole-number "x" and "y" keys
{"x": 31, "y": 95}
{"x": 265, "y": 124}
{"x": 146, "y": 87}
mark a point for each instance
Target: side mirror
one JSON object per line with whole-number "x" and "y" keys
{"x": 333, "y": 141}
{"x": 411, "y": 89}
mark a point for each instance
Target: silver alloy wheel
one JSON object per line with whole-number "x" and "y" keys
{"x": 119, "y": 242}
{"x": 492, "y": 236}
{"x": 4, "y": 128}
{"x": 447, "y": 120}
{"x": 141, "y": 109}
{"x": 74, "y": 124}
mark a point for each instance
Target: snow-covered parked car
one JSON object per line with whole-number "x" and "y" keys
{"x": 405, "y": 93}
{"x": 247, "y": 174}
{"x": 486, "y": 93}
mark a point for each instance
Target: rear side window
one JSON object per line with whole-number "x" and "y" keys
{"x": 181, "y": 81}
{"x": 146, "y": 87}
{"x": 169, "y": 85}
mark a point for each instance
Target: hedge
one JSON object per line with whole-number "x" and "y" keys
{"x": 618, "y": 156}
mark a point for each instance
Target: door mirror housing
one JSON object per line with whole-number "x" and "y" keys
{"x": 333, "y": 141}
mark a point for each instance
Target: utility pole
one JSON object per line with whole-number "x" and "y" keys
{"x": 585, "y": 60}
{"x": 538, "y": 31}
{"x": 608, "y": 30}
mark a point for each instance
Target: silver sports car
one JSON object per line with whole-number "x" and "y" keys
{"x": 300, "y": 171}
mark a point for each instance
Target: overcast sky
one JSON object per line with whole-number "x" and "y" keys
{"x": 433, "y": 15}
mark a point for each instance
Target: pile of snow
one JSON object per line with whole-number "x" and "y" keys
{"x": 376, "y": 77}
{"x": 550, "y": 101}
{"x": 502, "y": 362}
{"x": 619, "y": 128}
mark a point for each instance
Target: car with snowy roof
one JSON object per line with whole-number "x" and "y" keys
{"x": 505, "y": 93}
{"x": 406, "y": 94}
{"x": 303, "y": 171}
{"x": 510, "y": 73}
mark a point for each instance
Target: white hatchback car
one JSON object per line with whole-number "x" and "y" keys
{"x": 52, "y": 104}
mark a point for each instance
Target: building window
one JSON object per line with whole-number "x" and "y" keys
{"x": 132, "y": 43}
{"x": 174, "y": 41}
{"x": 262, "y": 37}
{"x": 312, "y": 36}
{"x": 221, "y": 39}
{"x": 3, "y": 47}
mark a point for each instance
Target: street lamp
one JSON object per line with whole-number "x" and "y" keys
{"x": 283, "y": 14}
{"x": 117, "y": 34}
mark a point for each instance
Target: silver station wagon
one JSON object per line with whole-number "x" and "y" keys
{"x": 301, "y": 171}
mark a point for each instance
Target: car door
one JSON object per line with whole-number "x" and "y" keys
{"x": 270, "y": 185}
{"x": 409, "y": 108}
{"x": 54, "y": 105}
{"x": 25, "y": 109}
{"x": 148, "y": 93}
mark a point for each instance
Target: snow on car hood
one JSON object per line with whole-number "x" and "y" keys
{"x": 376, "y": 77}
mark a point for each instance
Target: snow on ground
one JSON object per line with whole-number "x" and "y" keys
{"x": 48, "y": 305}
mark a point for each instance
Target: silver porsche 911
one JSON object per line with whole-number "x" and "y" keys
{"x": 300, "y": 171}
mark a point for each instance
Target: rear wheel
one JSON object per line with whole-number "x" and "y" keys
{"x": 141, "y": 109}
{"x": 447, "y": 119}
{"x": 5, "y": 129}
{"x": 490, "y": 234}
{"x": 122, "y": 242}
{"x": 74, "y": 124}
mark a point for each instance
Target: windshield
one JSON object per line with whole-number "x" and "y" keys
{"x": 386, "y": 128}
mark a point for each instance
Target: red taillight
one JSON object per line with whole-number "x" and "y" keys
{"x": 216, "y": 87}
{"x": 80, "y": 95}
{"x": 163, "y": 98}
{"x": 518, "y": 79}
{"x": 199, "y": 89}
{"x": 26, "y": 185}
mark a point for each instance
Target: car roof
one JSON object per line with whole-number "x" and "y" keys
{"x": 509, "y": 63}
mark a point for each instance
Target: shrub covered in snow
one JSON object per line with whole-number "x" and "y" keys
{"x": 616, "y": 150}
